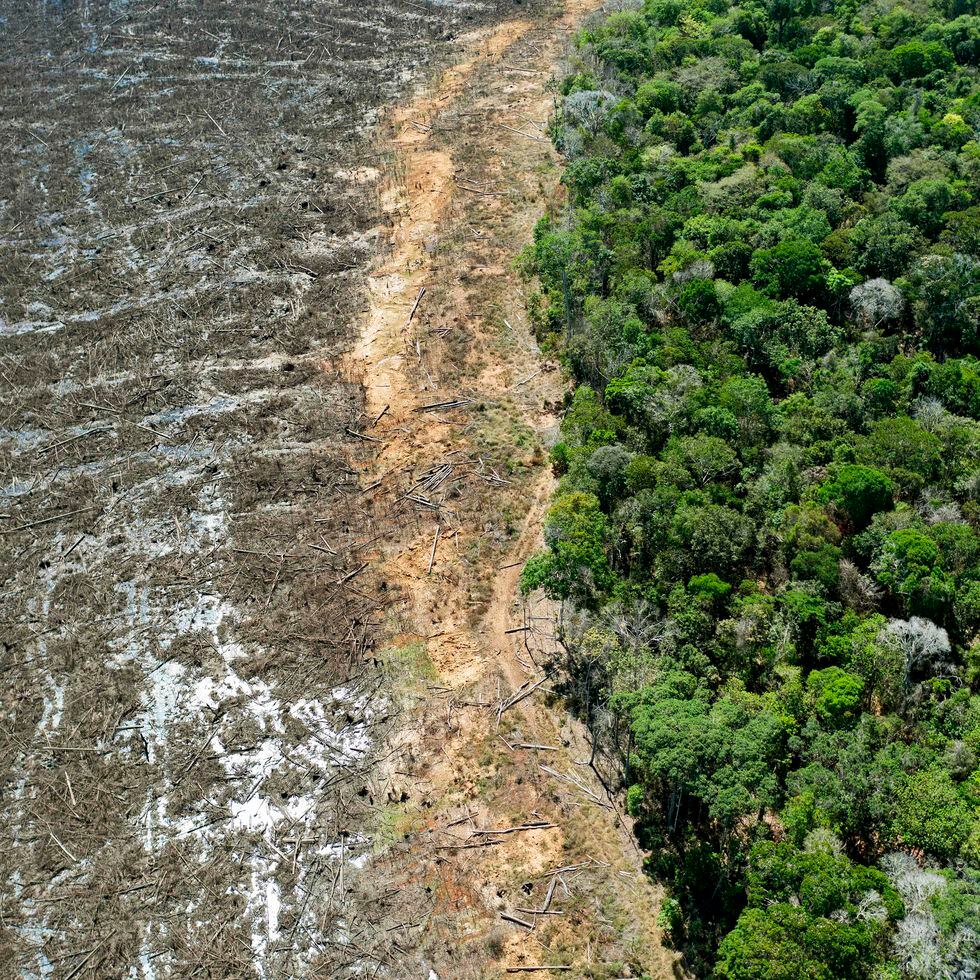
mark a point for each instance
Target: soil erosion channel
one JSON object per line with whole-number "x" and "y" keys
{"x": 492, "y": 822}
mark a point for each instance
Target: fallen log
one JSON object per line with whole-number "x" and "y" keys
{"x": 452, "y": 403}
{"x": 536, "y": 825}
{"x": 533, "y": 969}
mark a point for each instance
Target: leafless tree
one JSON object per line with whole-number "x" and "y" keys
{"x": 861, "y": 592}
{"x": 876, "y": 302}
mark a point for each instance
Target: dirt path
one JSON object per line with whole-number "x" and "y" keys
{"x": 464, "y": 488}
{"x": 418, "y": 206}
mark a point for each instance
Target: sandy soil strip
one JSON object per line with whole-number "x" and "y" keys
{"x": 466, "y": 765}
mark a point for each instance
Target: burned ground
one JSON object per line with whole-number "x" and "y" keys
{"x": 191, "y": 715}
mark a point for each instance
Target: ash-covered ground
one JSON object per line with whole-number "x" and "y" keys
{"x": 190, "y": 715}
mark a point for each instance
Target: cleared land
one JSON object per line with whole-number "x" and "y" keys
{"x": 502, "y": 831}
{"x": 188, "y": 716}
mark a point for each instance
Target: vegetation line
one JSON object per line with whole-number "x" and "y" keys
{"x": 765, "y": 284}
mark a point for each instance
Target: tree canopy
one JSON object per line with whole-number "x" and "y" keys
{"x": 765, "y": 285}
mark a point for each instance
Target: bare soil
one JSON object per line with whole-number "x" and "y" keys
{"x": 460, "y": 403}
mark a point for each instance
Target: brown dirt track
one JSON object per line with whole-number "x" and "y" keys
{"x": 445, "y": 325}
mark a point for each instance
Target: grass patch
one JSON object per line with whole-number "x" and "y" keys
{"x": 394, "y": 822}
{"x": 410, "y": 663}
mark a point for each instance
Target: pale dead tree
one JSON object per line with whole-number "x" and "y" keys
{"x": 639, "y": 625}
{"x": 915, "y": 884}
{"x": 642, "y": 634}
{"x": 571, "y": 142}
{"x": 703, "y": 75}
{"x": 924, "y": 645}
{"x": 588, "y": 109}
{"x": 969, "y": 485}
{"x": 625, "y": 644}
{"x": 932, "y": 415}
{"x": 666, "y": 402}
{"x": 823, "y": 841}
{"x": 960, "y": 759}
{"x": 860, "y": 592}
{"x": 871, "y": 908}
{"x": 936, "y": 507}
{"x": 918, "y": 164}
{"x": 753, "y": 629}
{"x": 699, "y": 269}
{"x": 948, "y": 513}
{"x": 916, "y": 946}
{"x": 618, "y": 650}
{"x": 658, "y": 156}
{"x": 782, "y": 635}
{"x": 708, "y": 128}
{"x": 615, "y": 6}
{"x": 917, "y": 941}
{"x": 876, "y": 302}
{"x": 803, "y": 83}
{"x": 925, "y": 650}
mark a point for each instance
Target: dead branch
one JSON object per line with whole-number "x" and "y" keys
{"x": 536, "y": 825}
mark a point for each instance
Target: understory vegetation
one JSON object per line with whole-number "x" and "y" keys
{"x": 765, "y": 283}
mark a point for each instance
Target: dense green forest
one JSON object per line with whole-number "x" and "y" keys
{"x": 765, "y": 284}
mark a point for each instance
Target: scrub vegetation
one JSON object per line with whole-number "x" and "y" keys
{"x": 765, "y": 284}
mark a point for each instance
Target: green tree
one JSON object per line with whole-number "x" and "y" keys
{"x": 821, "y": 564}
{"x": 944, "y": 291}
{"x": 859, "y": 492}
{"x": 766, "y": 271}
{"x": 885, "y": 246}
{"x": 782, "y": 942}
{"x": 794, "y": 268}
{"x": 930, "y": 814}
{"x": 747, "y": 399}
{"x": 575, "y": 566}
{"x": 909, "y": 564}
{"x": 926, "y": 202}
{"x": 837, "y": 696}
{"x": 819, "y": 878}
{"x": 713, "y": 536}
{"x": 707, "y": 458}
{"x": 903, "y": 448}
{"x": 608, "y": 466}
{"x": 779, "y": 334}
{"x": 917, "y": 58}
